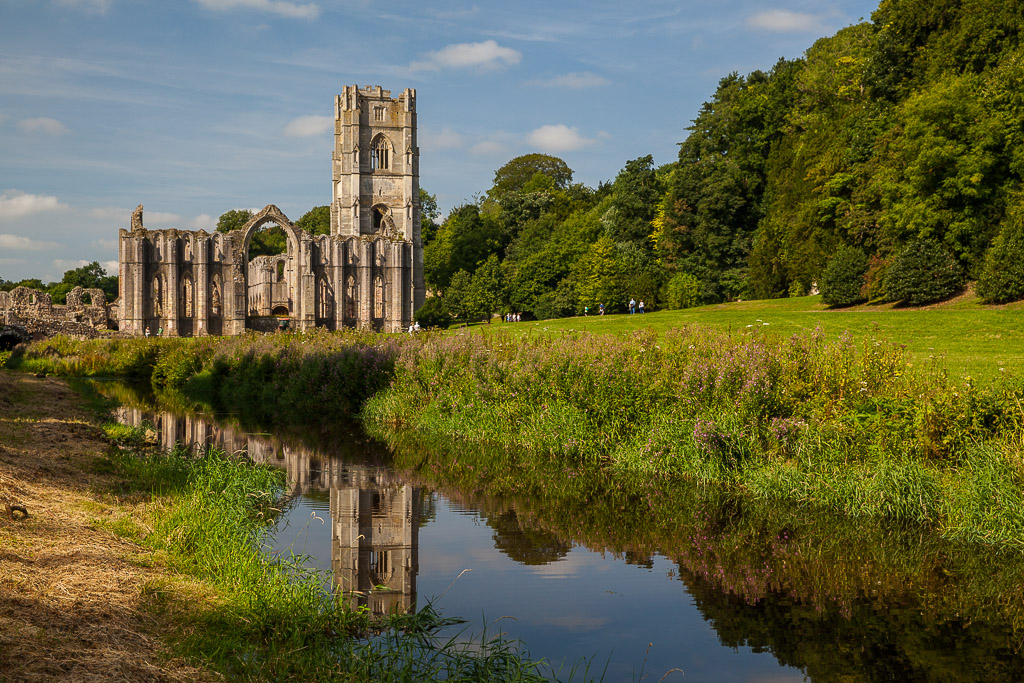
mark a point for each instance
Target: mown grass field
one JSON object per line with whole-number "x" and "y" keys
{"x": 961, "y": 336}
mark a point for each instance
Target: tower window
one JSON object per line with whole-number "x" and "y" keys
{"x": 378, "y": 113}
{"x": 380, "y": 154}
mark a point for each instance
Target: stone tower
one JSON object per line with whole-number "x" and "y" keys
{"x": 376, "y": 176}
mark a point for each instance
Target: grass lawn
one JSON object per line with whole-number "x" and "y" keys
{"x": 961, "y": 336}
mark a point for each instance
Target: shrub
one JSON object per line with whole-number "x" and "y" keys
{"x": 843, "y": 280}
{"x": 682, "y": 291}
{"x": 434, "y": 313}
{"x": 922, "y": 272}
{"x": 874, "y": 279}
{"x": 1002, "y": 275}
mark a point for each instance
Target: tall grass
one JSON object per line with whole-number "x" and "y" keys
{"x": 839, "y": 423}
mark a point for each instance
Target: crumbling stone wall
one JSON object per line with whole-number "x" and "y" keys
{"x": 85, "y": 314}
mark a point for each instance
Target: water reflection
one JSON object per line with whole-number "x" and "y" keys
{"x": 726, "y": 588}
{"x": 374, "y": 516}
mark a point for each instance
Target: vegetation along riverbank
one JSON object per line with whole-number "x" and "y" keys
{"x": 833, "y": 421}
{"x": 136, "y": 564}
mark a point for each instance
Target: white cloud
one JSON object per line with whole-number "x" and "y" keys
{"x": 110, "y": 266}
{"x": 786, "y": 21}
{"x": 306, "y": 126}
{"x": 91, "y": 6}
{"x": 63, "y": 265}
{"x": 204, "y": 221}
{"x": 487, "y": 147}
{"x": 15, "y": 204}
{"x": 558, "y": 138}
{"x": 292, "y": 10}
{"x": 446, "y": 138}
{"x": 24, "y": 243}
{"x": 573, "y": 81}
{"x": 485, "y": 56}
{"x": 44, "y": 125}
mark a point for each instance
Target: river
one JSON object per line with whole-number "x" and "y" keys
{"x": 681, "y": 585}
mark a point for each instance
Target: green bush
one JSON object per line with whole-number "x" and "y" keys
{"x": 1002, "y": 275}
{"x": 682, "y": 291}
{"x": 842, "y": 283}
{"x": 434, "y": 313}
{"x": 921, "y": 273}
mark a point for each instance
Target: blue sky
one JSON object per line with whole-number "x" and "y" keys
{"x": 195, "y": 107}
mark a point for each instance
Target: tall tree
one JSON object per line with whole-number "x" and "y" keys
{"x": 316, "y": 221}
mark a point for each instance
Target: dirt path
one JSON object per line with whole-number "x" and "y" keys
{"x": 70, "y": 591}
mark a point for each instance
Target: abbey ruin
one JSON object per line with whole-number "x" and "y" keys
{"x": 367, "y": 273}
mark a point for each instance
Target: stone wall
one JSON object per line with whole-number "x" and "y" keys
{"x": 85, "y": 314}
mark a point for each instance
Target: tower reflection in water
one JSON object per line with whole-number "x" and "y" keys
{"x": 375, "y": 517}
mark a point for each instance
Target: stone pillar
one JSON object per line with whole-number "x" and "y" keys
{"x": 201, "y": 275}
{"x": 171, "y": 270}
{"x": 364, "y": 303}
{"x": 338, "y": 281}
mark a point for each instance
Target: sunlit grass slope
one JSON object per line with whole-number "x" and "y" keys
{"x": 961, "y": 336}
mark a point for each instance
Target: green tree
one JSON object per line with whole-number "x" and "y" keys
{"x": 715, "y": 196}
{"x": 842, "y": 283}
{"x": 1002, "y": 276}
{"x": 429, "y": 213}
{"x": 233, "y": 219}
{"x": 682, "y": 291}
{"x": 922, "y": 272}
{"x": 519, "y": 173}
{"x": 487, "y": 290}
{"x": 463, "y": 242}
{"x": 316, "y": 221}
{"x": 599, "y": 277}
{"x": 90, "y": 276}
{"x": 636, "y": 194}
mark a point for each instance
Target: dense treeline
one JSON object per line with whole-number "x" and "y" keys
{"x": 890, "y": 155}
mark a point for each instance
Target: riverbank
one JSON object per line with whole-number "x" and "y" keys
{"x": 71, "y": 590}
{"x": 141, "y": 564}
{"x": 840, "y": 424}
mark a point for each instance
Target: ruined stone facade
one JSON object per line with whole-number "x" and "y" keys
{"x": 29, "y": 311}
{"x": 367, "y": 273}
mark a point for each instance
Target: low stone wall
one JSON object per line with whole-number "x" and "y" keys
{"x": 35, "y": 311}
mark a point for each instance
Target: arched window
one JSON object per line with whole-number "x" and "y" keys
{"x": 380, "y": 154}
{"x": 215, "y": 296}
{"x": 378, "y": 297}
{"x": 280, "y": 271}
{"x": 350, "y": 298}
{"x": 187, "y": 295}
{"x": 325, "y": 299}
{"x": 158, "y": 296}
{"x": 380, "y": 212}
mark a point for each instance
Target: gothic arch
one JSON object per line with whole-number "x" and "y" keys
{"x": 382, "y": 153}
{"x": 270, "y": 214}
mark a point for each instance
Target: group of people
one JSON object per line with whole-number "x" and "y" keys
{"x": 513, "y": 317}
{"x": 633, "y": 306}
{"x": 415, "y": 327}
{"x": 600, "y": 308}
{"x": 159, "y": 332}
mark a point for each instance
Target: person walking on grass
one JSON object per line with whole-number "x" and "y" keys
{"x": 632, "y": 306}
{"x": 641, "y": 305}
{"x": 601, "y": 307}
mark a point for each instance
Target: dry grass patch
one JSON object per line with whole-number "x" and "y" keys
{"x": 71, "y": 592}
